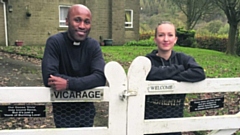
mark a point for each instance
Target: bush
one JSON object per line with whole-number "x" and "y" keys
{"x": 186, "y": 37}
{"x": 149, "y": 42}
{"x": 214, "y": 26}
{"x": 224, "y": 29}
{"x": 217, "y": 43}
{"x": 146, "y": 35}
{"x": 238, "y": 46}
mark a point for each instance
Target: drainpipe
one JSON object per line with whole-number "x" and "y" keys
{"x": 5, "y": 21}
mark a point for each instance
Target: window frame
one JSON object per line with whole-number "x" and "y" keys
{"x": 59, "y": 12}
{"x": 131, "y": 18}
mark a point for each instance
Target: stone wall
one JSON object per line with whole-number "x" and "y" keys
{"x": 108, "y": 20}
{"x": 100, "y": 22}
{"x": 133, "y": 33}
{"x": 43, "y": 22}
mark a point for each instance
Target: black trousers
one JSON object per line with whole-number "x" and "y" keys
{"x": 71, "y": 114}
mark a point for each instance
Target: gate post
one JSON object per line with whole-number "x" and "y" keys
{"x": 117, "y": 80}
{"x": 137, "y": 74}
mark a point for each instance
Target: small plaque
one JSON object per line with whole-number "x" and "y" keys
{"x": 23, "y": 111}
{"x": 206, "y": 104}
{"x": 160, "y": 87}
{"x": 80, "y": 96}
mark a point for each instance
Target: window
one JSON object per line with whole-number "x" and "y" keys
{"x": 128, "y": 18}
{"x": 63, "y": 10}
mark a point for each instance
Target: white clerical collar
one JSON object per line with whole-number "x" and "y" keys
{"x": 76, "y": 43}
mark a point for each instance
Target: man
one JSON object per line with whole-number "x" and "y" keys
{"x": 73, "y": 61}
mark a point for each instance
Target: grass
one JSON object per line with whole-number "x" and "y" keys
{"x": 216, "y": 65}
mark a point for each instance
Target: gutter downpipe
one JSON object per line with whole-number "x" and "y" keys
{"x": 5, "y": 22}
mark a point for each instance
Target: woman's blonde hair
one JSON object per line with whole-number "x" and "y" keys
{"x": 165, "y": 22}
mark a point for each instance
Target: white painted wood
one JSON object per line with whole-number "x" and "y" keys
{"x": 206, "y": 86}
{"x": 138, "y": 126}
{"x": 117, "y": 80}
{"x": 191, "y": 124}
{"x": 34, "y": 94}
{"x": 62, "y": 131}
{"x": 117, "y": 123}
{"x": 225, "y": 131}
{"x": 137, "y": 74}
{"x": 24, "y": 94}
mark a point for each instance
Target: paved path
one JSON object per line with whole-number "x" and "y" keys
{"x": 15, "y": 72}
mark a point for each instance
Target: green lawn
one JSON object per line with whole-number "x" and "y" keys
{"x": 216, "y": 64}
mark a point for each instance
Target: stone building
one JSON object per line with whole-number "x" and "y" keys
{"x": 33, "y": 21}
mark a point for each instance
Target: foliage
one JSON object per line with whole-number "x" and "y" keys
{"x": 144, "y": 27}
{"x": 231, "y": 10}
{"x": 146, "y": 35}
{"x": 203, "y": 31}
{"x": 224, "y": 29}
{"x": 186, "y": 37}
{"x": 217, "y": 43}
{"x": 238, "y": 46}
{"x": 154, "y": 11}
{"x": 214, "y": 26}
{"x": 153, "y": 7}
{"x": 213, "y": 22}
{"x": 194, "y": 10}
{"x": 148, "y": 42}
{"x": 184, "y": 32}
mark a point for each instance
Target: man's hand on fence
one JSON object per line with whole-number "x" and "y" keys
{"x": 57, "y": 83}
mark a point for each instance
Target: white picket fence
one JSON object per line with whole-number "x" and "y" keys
{"x": 126, "y": 97}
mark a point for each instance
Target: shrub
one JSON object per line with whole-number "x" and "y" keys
{"x": 217, "y": 43}
{"x": 186, "y": 37}
{"x": 146, "y": 35}
{"x": 238, "y": 46}
{"x": 214, "y": 26}
{"x": 149, "y": 42}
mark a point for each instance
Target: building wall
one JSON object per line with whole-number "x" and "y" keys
{"x": 2, "y": 28}
{"x": 118, "y": 22}
{"x": 133, "y": 33}
{"x": 108, "y": 20}
{"x": 43, "y": 22}
{"x": 100, "y": 18}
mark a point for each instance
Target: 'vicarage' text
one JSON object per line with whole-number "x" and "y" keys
{"x": 77, "y": 94}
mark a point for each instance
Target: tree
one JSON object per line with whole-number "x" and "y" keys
{"x": 194, "y": 10}
{"x": 231, "y": 9}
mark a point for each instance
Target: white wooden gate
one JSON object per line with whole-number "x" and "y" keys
{"x": 116, "y": 76}
{"x": 126, "y": 95}
{"x": 222, "y": 125}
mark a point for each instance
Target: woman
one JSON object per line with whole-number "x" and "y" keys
{"x": 169, "y": 65}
